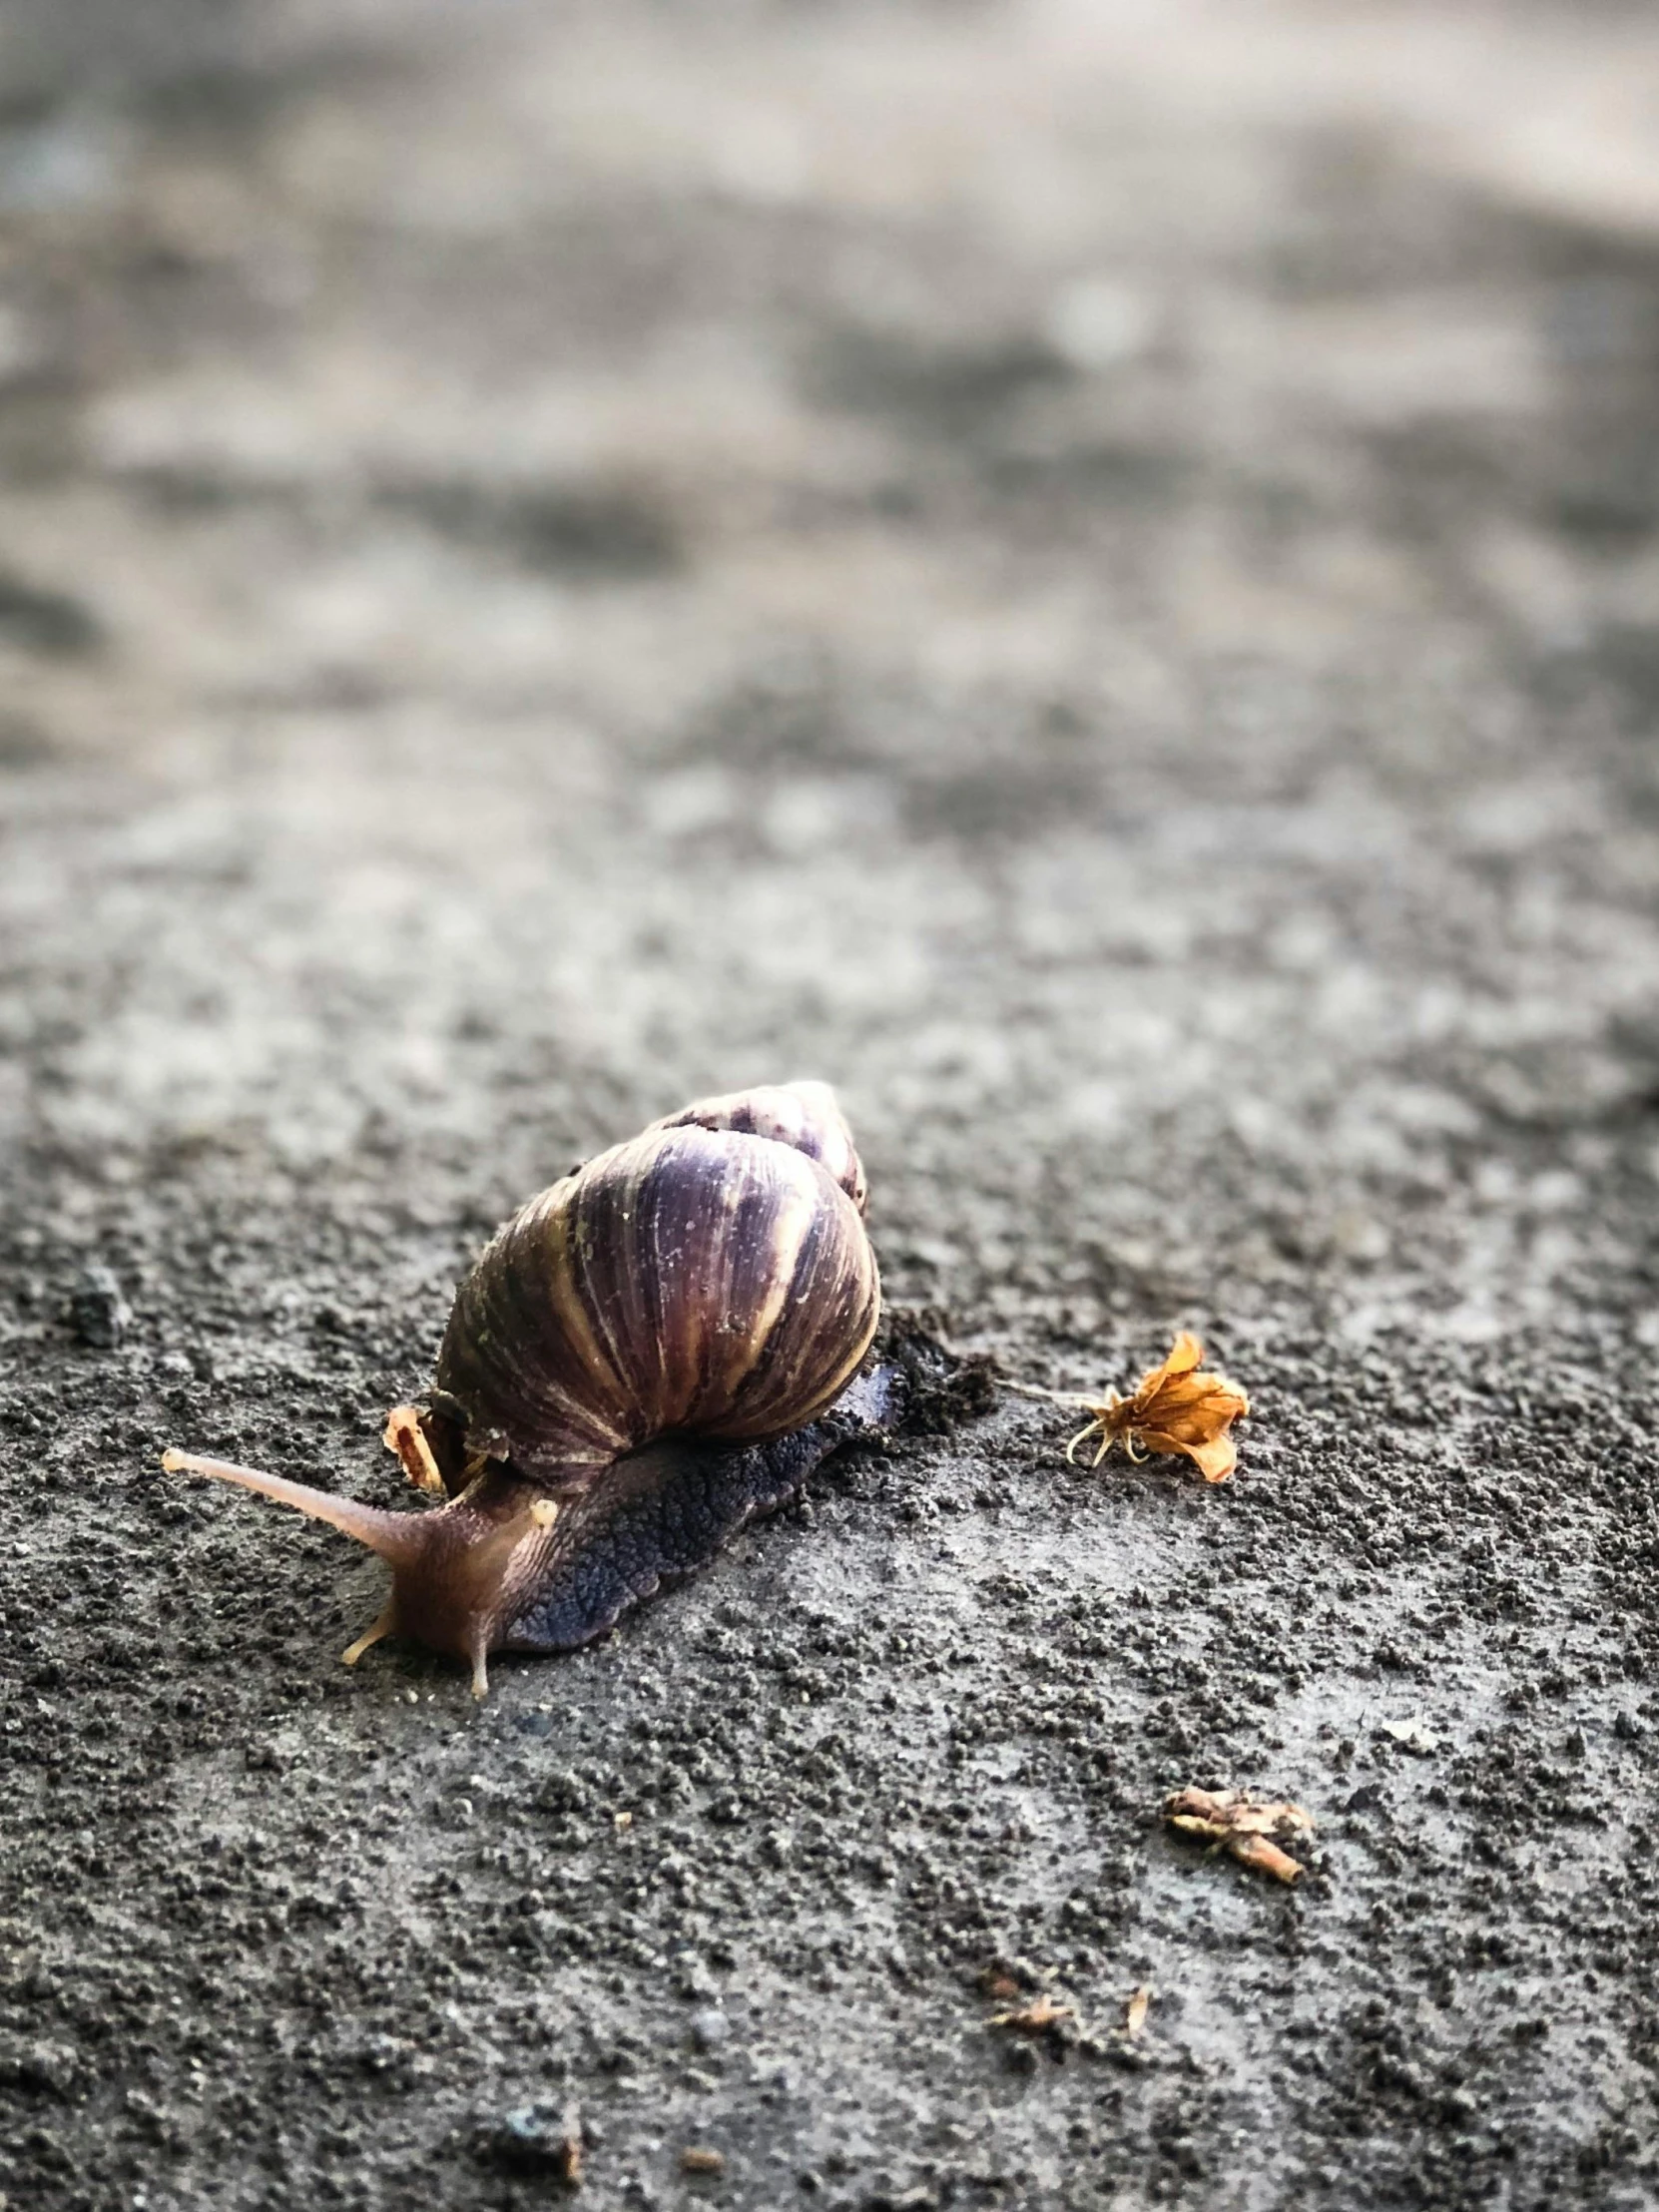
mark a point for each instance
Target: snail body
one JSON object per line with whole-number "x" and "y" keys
{"x": 650, "y": 1352}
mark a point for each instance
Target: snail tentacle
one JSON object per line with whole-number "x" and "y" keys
{"x": 392, "y": 1535}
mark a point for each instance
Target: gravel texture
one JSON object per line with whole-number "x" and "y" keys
{"x": 1090, "y": 574}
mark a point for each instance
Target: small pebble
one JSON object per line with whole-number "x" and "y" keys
{"x": 535, "y": 2142}
{"x": 710, "y": 2028}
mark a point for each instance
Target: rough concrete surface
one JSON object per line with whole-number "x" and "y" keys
{"x": 1089, "y": 572}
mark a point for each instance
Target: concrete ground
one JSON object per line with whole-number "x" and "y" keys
{"x": 1091, "y": 574}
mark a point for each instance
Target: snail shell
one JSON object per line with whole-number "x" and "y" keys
{"x": 802, "y": 1115}
{"x": 705, "y": 1278}
{"x": 647, "y": 1353}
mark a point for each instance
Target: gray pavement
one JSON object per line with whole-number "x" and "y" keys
{"x": 1091, "y": 574}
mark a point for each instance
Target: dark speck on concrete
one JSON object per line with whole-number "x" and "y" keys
{"x": 44, "y": 620}
{"x": 534, "y": 2140}
{"x": 98, "y": 1312}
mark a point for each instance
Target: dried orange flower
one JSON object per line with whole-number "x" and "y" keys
{"x": 1177, "y": 1409}
{"x": 404, "y": 1436}
{"x": 1244, "y": 1827}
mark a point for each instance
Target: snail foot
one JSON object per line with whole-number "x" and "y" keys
{"x": 655, "y": 1516}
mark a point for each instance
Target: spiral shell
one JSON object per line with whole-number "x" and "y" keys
{"x": 710, "y": 1277}
{"x": 803, "y": 1115}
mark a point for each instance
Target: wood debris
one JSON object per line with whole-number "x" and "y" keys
{"x": 1244, "y": 1827}
{"x": 1036, "y": 2018}
{"x": 1044, "y": 2014}
{"x": 699, "y": 2158}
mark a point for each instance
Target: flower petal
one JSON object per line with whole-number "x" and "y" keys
{"x": 1216, "y": 1459}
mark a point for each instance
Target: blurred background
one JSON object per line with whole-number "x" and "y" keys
{"x": 1087, "y": 570}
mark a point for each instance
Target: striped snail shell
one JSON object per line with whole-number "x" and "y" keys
{"x": 649, "y": 1353}
{"x": 710, "y": 1277}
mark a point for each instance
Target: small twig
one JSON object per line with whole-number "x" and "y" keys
{"x": 1036, "y": 1390}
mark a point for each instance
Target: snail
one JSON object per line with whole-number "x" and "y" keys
{"x": 646, "y": 1356}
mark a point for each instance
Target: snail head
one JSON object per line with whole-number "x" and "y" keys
{"x": 459, "y": 1572}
